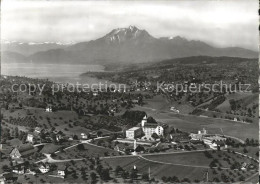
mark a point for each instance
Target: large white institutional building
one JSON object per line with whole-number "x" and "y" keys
{"x": 146, "y": 128}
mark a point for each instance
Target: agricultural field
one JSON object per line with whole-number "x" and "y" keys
{"x": 86, "y": 150}
{"x": 190, "y": 123}
{"x": 196, "y": 165}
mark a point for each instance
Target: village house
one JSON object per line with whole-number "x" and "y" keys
{"x": 30, "y": 138}
{"x": 214, "y": 141}
{"x": 23, "y": 151}
{"x": 2, "y": 180}
{"x": 44, "y": 167}
{"x": 38, "y": 130}
{"x": 18, "y": 169}
{"x": 124, "y": 148}
{"x": 61, "y": 170}
{"x": 58, "y": 135}
{"x": 199, "y": 136}
{"x": 84, "y": 136}
{"x": 49, "y": 108}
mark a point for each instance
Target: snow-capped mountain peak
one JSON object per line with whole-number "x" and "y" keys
{"x": 121, "y": 35}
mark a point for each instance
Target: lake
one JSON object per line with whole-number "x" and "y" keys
{"x": 62, "y": 73}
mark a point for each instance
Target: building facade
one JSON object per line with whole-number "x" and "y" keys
{"x": 133, "y": 133}
{"x": 150, "y": 128}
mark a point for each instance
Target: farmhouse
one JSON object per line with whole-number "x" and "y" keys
{"x": 19, "y": 169}
{"x": 38, "y": 130}
{"x": 61, "y": 170}
{"x": 23, "y": 151}
{"x": 49, "y": 108}
{"x": 214, "y": 141}
{"x": 84, "y": 136}
{"x": 199, "y": 136}
{"x": 44, "y": 168}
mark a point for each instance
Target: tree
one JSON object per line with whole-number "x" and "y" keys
{"x": 235, "y": 165}
{"x": 145, "y": 176}
{"x": 5, "y": 168}
{"x": 175, "y": 179}
{"x": 151, "y": 120}
{"x": 186, "y": 180}
{"x": 75, "y": 137}
{"x": 245, "y": 150}
{"x": 241, "y": 178}
{"x": 104, "y": 175}
{"x": 216, "y": 180}
{"x": 93, "y": 177}
{"x": 155, "y": 136}
{"x": 212, "y": 164}
{"x": 99, "y": 169}
{"x": 99, "y": 133}
{"x": 133, "y": 174}
{"x": 16, "y": 132}
{"x": 80, "y": 147}
{"x": 247, "y": 142}
{"x": 164, "y": 179}
{"x": 118, "y": 169}
{"x": 125, "y": 174}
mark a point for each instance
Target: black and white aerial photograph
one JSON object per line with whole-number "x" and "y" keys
{"x": 129, "y": 91}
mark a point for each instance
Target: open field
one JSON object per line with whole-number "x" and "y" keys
{"x": 88, "y": 151}
{"x": 157, "y": 170}
{"x": 230, "y": 128}
{"x": 161, "y": 102}
{"x": 197, "y": 160}
{"x": 192, "y": 123}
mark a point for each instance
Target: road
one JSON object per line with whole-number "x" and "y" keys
{"x": 35, "y": 145}
{"x": 250, "y": 178}
{"x": 49, "y": 159}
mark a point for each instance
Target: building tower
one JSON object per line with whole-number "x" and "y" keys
{"x": 144, "y": 120}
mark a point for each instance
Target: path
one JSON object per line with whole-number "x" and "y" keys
{"x": 184, "y": 165}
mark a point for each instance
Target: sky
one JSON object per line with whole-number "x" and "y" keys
{"x": 219, "y": 23}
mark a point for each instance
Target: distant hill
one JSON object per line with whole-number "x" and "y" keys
{"x": 27, "y": 49}
{"x": 132, "y": 45}
{"x": 13, "y": 57}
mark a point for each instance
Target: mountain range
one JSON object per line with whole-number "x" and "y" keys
{"x": 121, "y": 45}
